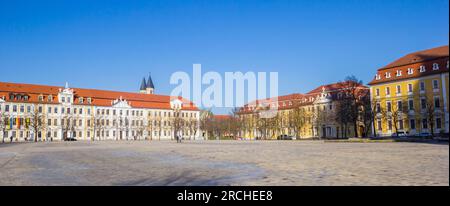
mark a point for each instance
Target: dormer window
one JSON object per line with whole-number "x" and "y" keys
{"x": 81, "y": 100}
{"x": 11, "y": 97}
{"x": 410, "y": 70}
{"x": 422, "y": 68}
{"x": 89, "y": 100}
{"x": 25, "y": 98}
{"x": 399, "y": 73}
{"x": 388, "y": 75}
{"x": 377, "y": 77}
{"x": 435, "y": 66}
{"x": 49, "y": 98}
{"x": 41, "y": 98}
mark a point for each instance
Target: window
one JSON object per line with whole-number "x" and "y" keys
{"x": 378, "y": 107}
{"x": 56, "y": 110}
{"x": 411, "y": 104}
{"x": 380, "y": 127}
{"x": 438, "y": 123}
{"x": 50, "y": 98}
{"x": 63, "y": 99}
{"x": 68, "y": 100}
{"x": 422, "y": 86}
{"x": 49, "y": 110}
{"x": 40, "y": 98}
{"x": 388, "y": 91}
{"x": 410, "y": 88}
{"x": 435, "y": 66}
{"x": 22, "y": 108}
{"x": 435, "y": 84}
{"x": 377, "y": 77}
{"x": 40, "y": 109}
{"x": 399, "y": 89}
{"x": 400, "y": 124}
{"x": 399, "y": 106}
{"x": 390, "y": 124}
{"x": 388, "y": 75}
{"x": 399, "y": 73}
{"x": 49, "y": 121}
{"x": 377, "y": 92}
{"x": 437, "y": 103}
{"x": 388, "y": 106}
{"x": 81, "y": 100}
{"x": 412, "y": 124}
{"x": 423, "y": 103}
{"x": 424, "y": 124}
{"x": 422, "y": 68}
{"x": 14, "y": 108}
{"x": 89, "y": 100}
{"x": 410, "y": 70}
{"x": 6, "y": 108}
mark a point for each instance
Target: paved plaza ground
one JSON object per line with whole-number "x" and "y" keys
{"x": 223, "y": 163}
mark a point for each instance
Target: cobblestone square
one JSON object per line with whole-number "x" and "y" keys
{"x": 223, "y": 163}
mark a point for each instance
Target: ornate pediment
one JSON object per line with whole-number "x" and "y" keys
{"x": 176, "y": 104}
{"x": 120, "y": 103}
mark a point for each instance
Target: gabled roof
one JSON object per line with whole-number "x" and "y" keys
{"x": 420, "y": 56}
{"x": 99, "y": 97}
{"x": 409, "y": 65}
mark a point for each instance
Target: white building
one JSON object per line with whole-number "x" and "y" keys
{"x": 57, "y": 113}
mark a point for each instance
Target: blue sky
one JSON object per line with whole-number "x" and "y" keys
{"x": 113, "y": 44}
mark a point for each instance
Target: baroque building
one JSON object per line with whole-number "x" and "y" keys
{"x": 310, "y": 115}
{"x": 411, "y": 94}
{"x": 57, "y": 113}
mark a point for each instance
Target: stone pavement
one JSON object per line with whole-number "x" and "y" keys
{"x": 223, "y": 163}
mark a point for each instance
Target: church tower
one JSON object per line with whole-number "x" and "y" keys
{"x": 143, "y": 88}
{"x": 150, "y": 88}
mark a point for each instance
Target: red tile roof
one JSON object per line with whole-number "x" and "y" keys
{"x": 294, "y": 100}
{"x": 413, "y": 61}
{"x": 99, "y": 97}
{"x": 222, "y": 117}
{"x": 420, "y": 56}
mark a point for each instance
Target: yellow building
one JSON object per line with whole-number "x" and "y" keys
{"x": 411, "y": 94}
{"x": 310, "y": 115}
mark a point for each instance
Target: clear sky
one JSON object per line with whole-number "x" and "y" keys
{"x": 113, "y": 44}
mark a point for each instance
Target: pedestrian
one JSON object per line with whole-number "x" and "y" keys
{"x": 10, "y": 139}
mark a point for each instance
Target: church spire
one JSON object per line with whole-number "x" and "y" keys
{"x": 150, "y": 82}
{"x": 143, "y": 85}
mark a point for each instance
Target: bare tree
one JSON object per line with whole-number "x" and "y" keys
{"x": 429, "y": 113}
{"x": 235, "y": 123}
{"x": 352, "y": 94}
{"x": 206, "y": 122}
{"x": 296, "y": 120}
{"x": 36, "y": 122}
{"x": 344, "y": 115}
{"x": 3, "y": 122}
{"x": 368, "y": 113}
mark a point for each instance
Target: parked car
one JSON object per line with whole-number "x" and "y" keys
{"x": 399, "y": 134}
{"x": 70, "y": 139}
{"x": 284, "y": 137}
